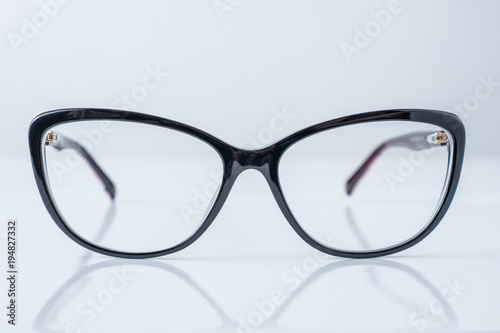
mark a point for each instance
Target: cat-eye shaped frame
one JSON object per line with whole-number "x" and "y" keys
{"x": 265, "y": 160}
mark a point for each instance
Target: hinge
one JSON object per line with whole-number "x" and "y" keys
{"x": 439, "y": 138}
{"x": 51, "y": 137}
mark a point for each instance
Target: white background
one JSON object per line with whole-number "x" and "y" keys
{"x": 228, "y": 74}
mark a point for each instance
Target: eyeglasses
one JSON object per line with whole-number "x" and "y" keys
{"x": 132, "y": 185}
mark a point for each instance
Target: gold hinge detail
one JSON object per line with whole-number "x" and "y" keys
{"x": 51, "y": 137}
{"x": 440, "y": 138}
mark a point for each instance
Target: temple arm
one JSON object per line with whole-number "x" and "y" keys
{"x": 60, "y": 142}
{"x": 415, "y": 141}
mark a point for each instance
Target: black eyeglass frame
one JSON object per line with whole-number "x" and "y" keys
{"x": 236, "y": 160}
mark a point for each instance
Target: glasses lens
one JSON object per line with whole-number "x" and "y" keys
{"x": 367, "y": 187}
{"x": 130, "y": 187}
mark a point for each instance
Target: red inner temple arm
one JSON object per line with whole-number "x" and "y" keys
{"x": 60, "y": 142}
{"x": 415, "y": 141}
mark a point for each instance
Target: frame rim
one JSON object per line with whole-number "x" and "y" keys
{"x": 236, "y": 160}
